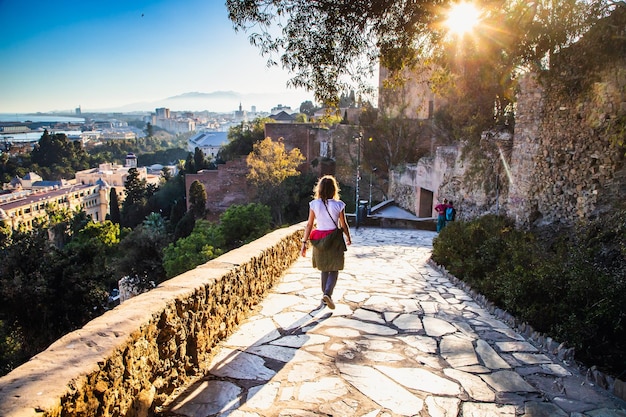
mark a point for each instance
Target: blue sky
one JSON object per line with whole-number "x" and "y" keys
{"x": 105, "y": 55}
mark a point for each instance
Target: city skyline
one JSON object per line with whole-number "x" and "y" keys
{"x": 133, "y": 56}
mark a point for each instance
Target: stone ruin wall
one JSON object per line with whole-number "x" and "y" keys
{"x": 566, "y": 168}
{"x": 225, "y": 186}
{"x": 444, "y": 176}
{"x": 129, "y": 361}
{"x": 563, "y": 167}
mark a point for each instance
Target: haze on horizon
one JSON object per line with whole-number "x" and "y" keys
{"x": 132, "y": 56}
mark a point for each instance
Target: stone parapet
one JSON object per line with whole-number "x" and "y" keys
{"x": 129, "y": 360}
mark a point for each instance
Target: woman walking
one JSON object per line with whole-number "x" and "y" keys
{"x": 326, "y": 212}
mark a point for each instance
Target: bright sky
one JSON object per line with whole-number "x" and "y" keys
{"x": 105, "y": 55}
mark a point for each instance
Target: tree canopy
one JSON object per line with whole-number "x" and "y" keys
{"x": 270, "y": 165}
{"x": 332, "y": 45}
{"x": 241, "y": 139}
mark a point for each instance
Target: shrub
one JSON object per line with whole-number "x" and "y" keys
{"x": 570, "y": 285}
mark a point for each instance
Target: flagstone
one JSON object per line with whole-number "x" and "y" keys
{"x": 281, "y": 353}
{"x": 291, "y": 320}
{"x": 421, "y": 379}
{"x": 341, "y": 332}
{"x": 288, "y": 287}
{"x": 474, "y": 369}
{"x": 308, "y": 371}
{"x": 475, "y": 387}
{"x": 374, "y": 341}
{"x": 383, "y": 304}
{"x": 415, "y": 344}
{"x": 458, "y": 351}
{"x": 408, "y": 322}
{"x": 359, "y": 326}
{"x": 275, "y": 303}
{"x": 356, "y": 297}
{"x": 239, "y": 413}
{"x": 322, "y": 390}
{"x": 262, "y": 397}
{"x": 300, "y": 340}
{"x": 507, "y": 381}
{"x": 390, "y": 316}
{"x": 381, "y": 389}
{"x": 240, "y": 365}
{"x": 487, "y": 410}
{"x": 517, "y": 346}
{"x": 555, "y": 369}
{"x": 541, "y": 409}
{"x": 442, "y": 406}
{"x": 254, "y": 332}
{"x": 367, "y": 315}
{"x": 423, "y": 343}
{"x": 376, "y": 356}
{"x": 340, "y": 407}
{"x": 208, "y": 398}
{"x": 437, "y": 327}
{"x": 531, "y": 358}
{"x": 288, "y": 393}
{"x": 490, "y": 357}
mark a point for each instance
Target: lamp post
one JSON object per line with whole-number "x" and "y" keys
{"x": 358, "y": 177}
{"x": 369, "y": 207}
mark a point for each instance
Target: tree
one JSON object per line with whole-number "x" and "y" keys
{"x": 242, "y": 138}
{"x": 199, "y": 247}
{"x": 60, "y": 292}
{"x": 149, "y": 130}
{"x": 388, "y": 142}
{"x": 269, "y": 166}
{"x": 241, "y": 224}
{"x": 140, "y": 253}
{"x": 190, "y": 166}
{"x": 58, "y": 157}
{"x": 136, "y": 200}
{"x": 199, "y": 160}
{"x": 307, "y": 107}
{"x": 114, "y": 207}
{"x": 330, "y": 46}
{"x": 197, "y": 199}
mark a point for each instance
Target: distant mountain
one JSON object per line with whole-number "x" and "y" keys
{"x": 220, "y": 101}
{"x": 219, "y": 95}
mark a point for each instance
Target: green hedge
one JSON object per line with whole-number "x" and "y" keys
{"x": 569, "y": 284}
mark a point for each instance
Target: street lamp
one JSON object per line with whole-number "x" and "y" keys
{"x": 369, "y": 208}
{"x": 358, "y": 177}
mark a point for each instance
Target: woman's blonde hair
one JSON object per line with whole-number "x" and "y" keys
{"x": 326, "y": 188}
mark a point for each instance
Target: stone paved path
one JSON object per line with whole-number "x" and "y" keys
{"x": 403, "y": 341}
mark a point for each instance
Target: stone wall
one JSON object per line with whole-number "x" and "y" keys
{"x": 129, "y": 360}
{"x": 563, "y": 165}
{"x": 225, "y": 186}
{"x": 566, "y": 164}
{"x": 442, "y": 176}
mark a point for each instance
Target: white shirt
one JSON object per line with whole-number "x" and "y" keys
{"x": 322, "y": 218}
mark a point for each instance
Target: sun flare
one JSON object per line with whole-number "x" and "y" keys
{"x": 462, "y": 18}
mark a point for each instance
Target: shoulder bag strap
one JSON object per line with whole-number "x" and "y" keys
{"x": 328, "y": 211}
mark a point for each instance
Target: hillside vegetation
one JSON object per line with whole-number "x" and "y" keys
{"x": 569, "y": 284}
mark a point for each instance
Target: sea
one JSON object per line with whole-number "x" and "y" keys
{"x": 37, "y": 118}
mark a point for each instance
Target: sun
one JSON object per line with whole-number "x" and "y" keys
{"x": 462, "y": 18}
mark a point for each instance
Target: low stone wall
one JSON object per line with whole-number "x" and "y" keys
{"x": 129, "y": 360}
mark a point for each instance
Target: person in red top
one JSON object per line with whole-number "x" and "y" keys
{"x": 441, "y": 214}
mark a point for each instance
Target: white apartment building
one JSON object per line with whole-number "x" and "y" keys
{"x": 22, "y": 207}
{"x": 25, "y": 199}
